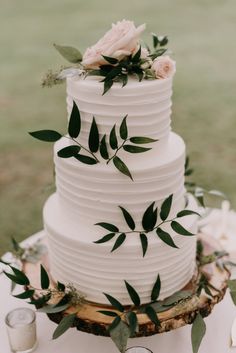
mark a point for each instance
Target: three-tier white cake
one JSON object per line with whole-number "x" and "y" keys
{"x": 89, "y": 194}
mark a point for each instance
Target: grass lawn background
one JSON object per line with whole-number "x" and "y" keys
{"x": 202, "y": 37}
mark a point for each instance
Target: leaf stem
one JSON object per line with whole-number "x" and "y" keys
{"x": 117, "y": 150}
{"x": 84, "y": 148}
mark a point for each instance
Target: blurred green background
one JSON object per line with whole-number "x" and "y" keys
{"x": 202, "y": 37}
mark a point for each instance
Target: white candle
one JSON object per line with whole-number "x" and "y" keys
{"x": 21, "y": 329}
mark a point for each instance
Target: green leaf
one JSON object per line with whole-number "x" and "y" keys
{"x": 114, "y": 302}
{"x": 113, "y": 139}
{"x": 86, "y": 159}
{"x": 178, "y": 228}
{"x": 25, "y": 295}
{"x": 46, "y": 135}
{"x": 176, "y": 297}
{"x": 108, "y": 313}
{"x": 108, "y": 226}
{"x": 197, "y": 333}
{"x": 124, "y": 79}
{"x": 155, "y": 40}
{"x": 128, "y": 218}
{"x": 141, "y": 140}
{"x": 64, "y": 325}
{"x": 69, "y": 151}
{"x": 188, "y": 172}
{"x": 103, "y": 148}
{"x": 144, "y": 242}
{"x": 61, "y": 287}
{"x": 41, "y": 301}
{"x": 18, "y": 277}
{"x": 74, "y": 122}
{"x": 149, "y": 218}
{"x": 110, "y": 60}
{"x": 152, "y": 315}
{"x": 133, "y": 294}
{"x": 156, "y": 289}
{"x": 164, "y": 41}
{"x": 94, "y": 137}
{"x": 186, "y": 162}
{"x": 232, "y": 287}
{"x": 119, "y": 241}
{"x": 124, "y": 129}
{"x": 135, "y": 59}
{"x": 107, "y": 85}
{"x": 105, "y": 238}
{"x": 71, "y": 54}
{"x": 120, "y": 335}
{"x": 114, "y": 323}
{"x": 135, "y": 149}
{"x": 187, "y": 213}
{"x": 166, "y": 238}
{"x": 133, "y": 322}
{"x": 15, "y": 244}
{"x": 45, "y": 281}
{"x": 53, "y": 309}
{"x": 121, "y": 166}
{"x": 165, "y": 207}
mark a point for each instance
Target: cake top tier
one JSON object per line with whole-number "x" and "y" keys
{"x": 117, "y": 56}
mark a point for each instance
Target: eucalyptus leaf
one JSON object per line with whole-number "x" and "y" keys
{"x": 124, "y": 129}
{"x": 93, "y": 137}
{"x": 105, "y": 238}
{"x": 41, "y": 301}
{"x": 152, "y": 315}
{"x": 197, "y": 333}
{"x": 121, "y": 166}
{"x": 86, "y": 159}
{"x": 107, "y": 85}
{"x": 133, "y": 322}
{"x": 141, "y": 140}
{"x": 133, "y": 294}
{"x": 149, "y": 218}
{"x": 119, "y": 241}
{"x": 103, "y": 148}
{"x": 52, "y": 309}
{"x": 156, "y": 289}
{"x": 45, "y": 282}
{"x": 178, "y": 228}
{"x": 135, "y": 59}
{"x": 144, "y": 242}
{"x": 114, "y": 323}
{"x": 135, "y": 149}
{"x": 155, "y": 40}
{"x": 108, "y": 313}
{"x": 71, "y": 54}
{"x": 164, "y": 41}
{"x": 108, "y": 226}
{"x": 113, "y": 139}
{"x": 187, "y": 213}
{"x": 18, "y": 277}
{"x": 176, "y": 297}
{"x": 110, "y": 60}
{"x": 46, "y": 135}
{"x": 166, "y": 238}
{"x": 114, "y": 302}
{"x": 68, "y": 151}
{"x": 128, "y": 218}
{"x": 120, "y": 335}
{"x": 166, "y": 207}
{"x": 74, "y": 125}
{"x": 61, "y": 287}
{"x": 25, "y": 295}
{"x": 64, "y": 325}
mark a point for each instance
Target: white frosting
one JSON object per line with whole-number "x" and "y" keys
{"x": 147, "y": 103}
{"x": 93, "y": 193}
{"x": 93, "y": 269}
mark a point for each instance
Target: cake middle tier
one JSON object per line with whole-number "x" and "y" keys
{"x": 92, "y": 194}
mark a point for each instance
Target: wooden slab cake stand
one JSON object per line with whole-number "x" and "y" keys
{"x": 91, "y": 321}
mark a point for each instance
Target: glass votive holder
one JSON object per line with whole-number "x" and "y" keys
{"x": 138, "y": 349}
{"x": 21, "y": 329}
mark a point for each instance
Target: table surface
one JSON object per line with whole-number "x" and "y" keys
{"x": 217, "y": 338}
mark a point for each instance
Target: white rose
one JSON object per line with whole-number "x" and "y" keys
{"x": 164, "y": 67}
{"x": 120, "y": 41}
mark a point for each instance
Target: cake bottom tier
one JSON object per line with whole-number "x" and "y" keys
{"x": 94, "y": 270}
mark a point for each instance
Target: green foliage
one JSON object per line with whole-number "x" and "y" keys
{"x": 122, "y": 167}
{"x": 178, "y": 228}
{"x": 66, "y": 323}
{"x": 128, "y": 218}
{"x": 197, "y": 333}
{"x": 119, "y": 241}
{"x": 103, "y": 148}
{"x": 85, "y": 159}
{"x": 69, "y": 151}
{"x": 133, "y": 294}
{"x": 71, "y": 54}
{"x": 156, "y": 289}
{"x": 46, "y": 135}
{"x": 114, "y": 302}
{"x": 124, "y": 129}
{"x": 120, "y": 335}
{"x": 149, "y": 218}
{"x": 151, "y": 313}
{"x": 94, "y": 137}
{"x": 74, "y": 125}
{"x": 45, "y": 281}
{"x": 166, "y": 207}
{"x": 144, "y": 243}
{"x": 113, "y": 138}
{"x": 108, "y": 226}
{"x": 166, "y": 238}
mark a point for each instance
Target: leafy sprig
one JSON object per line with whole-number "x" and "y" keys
{"x": 95, "y": 145}
{"x": 149, "y": 224}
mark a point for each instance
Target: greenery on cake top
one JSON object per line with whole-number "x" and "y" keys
{"x": 97, "y": 149}
{"x": 150, "y": 223}
{"x": 116, "y": 57}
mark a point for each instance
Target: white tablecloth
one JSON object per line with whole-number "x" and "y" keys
{"x": 216, "y": 340}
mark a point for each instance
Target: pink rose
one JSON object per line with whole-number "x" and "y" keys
{"x": 120, "y": 41}
{"x": 164, "y": 67}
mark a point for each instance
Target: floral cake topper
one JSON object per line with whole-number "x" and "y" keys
{"x": 118, "y": 55}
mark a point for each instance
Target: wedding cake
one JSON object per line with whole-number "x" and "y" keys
{"x": 120, "y": 213}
